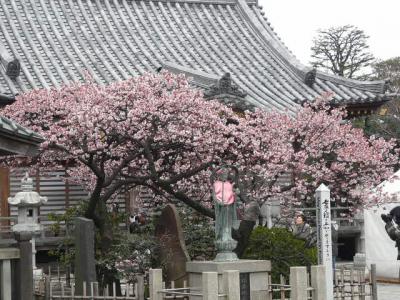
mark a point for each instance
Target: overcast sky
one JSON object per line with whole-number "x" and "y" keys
{"x": 297, "y": 22}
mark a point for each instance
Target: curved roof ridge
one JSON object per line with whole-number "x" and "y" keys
{"x": 277, "y": 46}
{"x": 374, "y": 85}
{"x": 207, "y": 1}
{"x": 262, "y": 18}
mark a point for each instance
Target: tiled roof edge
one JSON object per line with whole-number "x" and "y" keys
{"x": 207, "y": 1}
{"x": 281, "y": 50}
{"x": 376, "y": 86}
{"x": 200, "y": 78}
{"x": 391, "y": 96}
{"x": 276, "y": 46}
{"x": 15, "y": 130}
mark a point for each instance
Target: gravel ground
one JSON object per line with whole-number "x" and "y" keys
{"x": 388, "y": 291}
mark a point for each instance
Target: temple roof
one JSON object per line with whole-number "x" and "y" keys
{"x": 16, "y": 139}
{"x": 45, "y": 43}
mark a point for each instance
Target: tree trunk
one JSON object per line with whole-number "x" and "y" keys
{"x": 97, "y": 211}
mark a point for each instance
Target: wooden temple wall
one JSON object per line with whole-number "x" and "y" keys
{"x": 60, "y": 193}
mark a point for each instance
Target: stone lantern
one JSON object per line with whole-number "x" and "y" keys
{"x": 28, "y": 202}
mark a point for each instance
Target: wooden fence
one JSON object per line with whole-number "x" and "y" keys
{"x": 353, "y": 284}
{"x": 349, "y": 284}
{"x": 298, "y": 288}
{"x": 48, "y": 289}
{"x": 301, "y": 286}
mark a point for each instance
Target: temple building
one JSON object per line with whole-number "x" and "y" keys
{"x": 227, "y": 47}
{"x": 14, "y": 140}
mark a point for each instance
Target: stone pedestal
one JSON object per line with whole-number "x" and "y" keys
{"x": 253, "y": 274}
{"x": 24, "y": 266}
{"x": 85, "y": 264}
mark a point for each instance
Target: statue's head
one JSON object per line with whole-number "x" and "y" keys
{"x": 225, "y": 173}
{"x": 395, "y": 213}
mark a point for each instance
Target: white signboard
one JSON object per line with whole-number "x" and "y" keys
{"x": 324, "y": 236}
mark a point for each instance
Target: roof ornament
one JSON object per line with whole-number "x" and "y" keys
{"x": 387, "y": 87}
{"x": 13, "y": 69}
{"x": 310, "y": 76}
{"x": 224, "y": 86}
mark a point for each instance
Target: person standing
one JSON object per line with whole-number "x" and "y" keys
{"x": 250, "y": 216}
{"x": 134, "y": 226}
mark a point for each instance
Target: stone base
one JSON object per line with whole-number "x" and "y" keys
{"x": 226, "y": 257}
{"x": 253, "y": 274}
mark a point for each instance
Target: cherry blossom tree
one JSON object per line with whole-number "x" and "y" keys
{"x": 327, "y": 149}
{"x": 156, "y": 132}
{"x": 151, "y": 131}
{"x": 318, "y": 145}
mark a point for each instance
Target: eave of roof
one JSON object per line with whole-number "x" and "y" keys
{"x": 56, "y": 41}
{"x": 16, "y": 139}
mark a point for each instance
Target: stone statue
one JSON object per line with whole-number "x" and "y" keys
{"x": 224, "y": 182}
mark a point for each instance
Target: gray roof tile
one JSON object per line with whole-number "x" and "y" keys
{"x": 56, "y": 41}
{"x": 10, "y": 127}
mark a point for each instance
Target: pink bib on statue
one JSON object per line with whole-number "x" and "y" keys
{"x": 224, "y": 192}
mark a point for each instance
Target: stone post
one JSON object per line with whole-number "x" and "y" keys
{"x": 155, "y": 278}
{"x": 324, "y": 236}
{"x": 298, "y": 283}
{"x": 140, "y": 287}
{"x": 374, "y": 282}
{"x": 318, "y": 282}
{"x": 231, "y": 284}
{"x": 85, "y": 267}
{"x": 24, "y": 266}
{"x": 210, "y": 286}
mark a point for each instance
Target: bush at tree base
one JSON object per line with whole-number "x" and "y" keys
{"x": 199, "y": 234}
{"x": 129, "y": 254}
{"x": 280, "y": 247}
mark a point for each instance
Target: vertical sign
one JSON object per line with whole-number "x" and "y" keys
{"x": 244, "y": 285}
{"x": 324, "y": 236}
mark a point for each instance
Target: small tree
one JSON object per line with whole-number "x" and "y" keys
{"x": 342, "y": 50}
{"x": 386, "y": 122}
{"x": 388, "y": 69}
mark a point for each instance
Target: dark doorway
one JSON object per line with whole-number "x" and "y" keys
{"x": 346, "y": 248}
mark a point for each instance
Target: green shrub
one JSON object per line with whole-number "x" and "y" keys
{"x": 199, "y": 234}
{"x": 280, "y": 247}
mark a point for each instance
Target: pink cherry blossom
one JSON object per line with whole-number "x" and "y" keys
{"x": 157, "y": 132}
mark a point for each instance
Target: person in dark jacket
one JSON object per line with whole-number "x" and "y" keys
{"x": 302, "y": 230}
{"x": 249, "y": 219}
{"x": 392, "y": 221}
